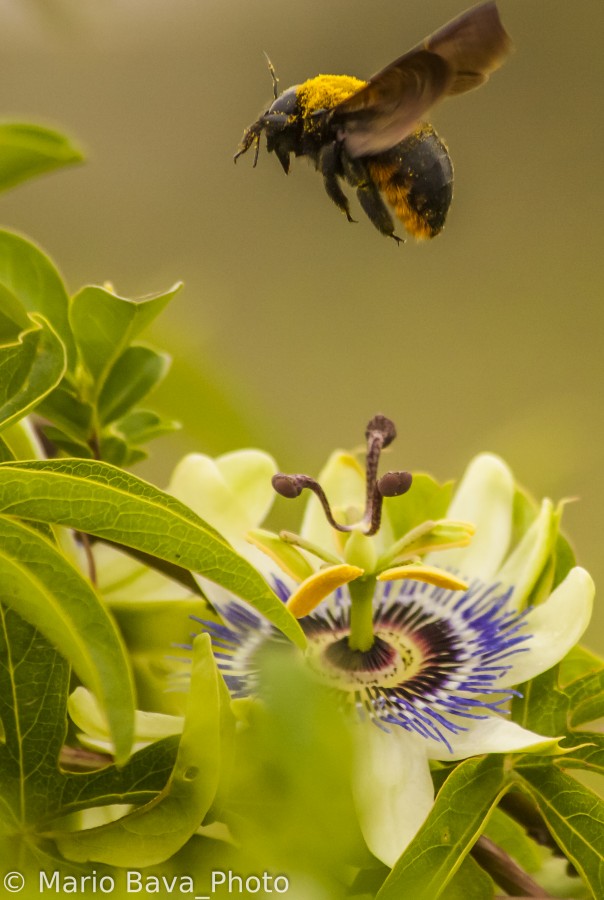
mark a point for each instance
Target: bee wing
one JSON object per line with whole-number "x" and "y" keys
{"x": 474, "y": 45}
{"x": 456, "y": 58}
{"x": 388, "y": 107}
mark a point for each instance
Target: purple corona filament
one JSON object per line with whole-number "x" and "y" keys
{"x": 436, "y": 660}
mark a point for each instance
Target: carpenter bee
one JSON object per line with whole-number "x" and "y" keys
{"x": 371, "y": 134}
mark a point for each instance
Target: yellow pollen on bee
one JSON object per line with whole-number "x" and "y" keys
{"x": 326, "y": 91}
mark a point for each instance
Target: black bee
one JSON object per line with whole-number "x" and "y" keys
{"x": 370, "y": 134}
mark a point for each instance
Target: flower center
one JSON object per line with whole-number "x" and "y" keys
{"x": 435, "y": 662}
{"x": 391, "y": 660}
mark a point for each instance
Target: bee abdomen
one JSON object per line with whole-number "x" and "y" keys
{"x": 416, "y": 178}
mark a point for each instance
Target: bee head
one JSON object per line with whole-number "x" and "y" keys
{"x": 279, "y": 124}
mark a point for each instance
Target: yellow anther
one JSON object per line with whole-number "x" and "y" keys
{"x": 429, "y": 574}
{"x": 318, "y": 586}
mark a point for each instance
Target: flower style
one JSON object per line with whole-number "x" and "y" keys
{"x": 424, "y": 657}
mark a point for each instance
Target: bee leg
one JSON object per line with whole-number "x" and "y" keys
{"x": 369, "y": 197}
{"x": 327, "y": 164}
{"x": 375, "y": 208}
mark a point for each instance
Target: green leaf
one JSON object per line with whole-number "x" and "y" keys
{"x": 154, "y": 832}
{"x": 543, "y": 706}
{"x": 29, "y": 370}
{"x": 14, "y": 318}
{"x": 587, "y": 752}
{"x": 70, "y": 446}
{"x": 139, "y": 781}
{"x": 34, "y": 681}
{"x": 457, "y": 818}
{"x": 22, "y": 441}
{"x": 427, "y": 499}
{"x": 39, "y": 583}
{"x": 547, "y": 708}
{"x": 470, "y": 882}
{"x": 29, "y": 275}
{"x": 105, "y": 324}
{"x": 579, "y": 662}
{"x": 368, "y": 881}
{"x": 565, "y": 560}
{"x": 98, "y": 499}
{"x": 290, "y": 792}
{"x": 133, "y": 375}
{"x": 114, "y": 450}
{"x": 142, "y": 425}
{"x": 6, "y": 454}
{"x": 524, "y": 513}
{"x": 135, "y": 455}
{"x": 560, "y": 561}
{"x": 529, "y": 567}
{"x": 586, "y": 696}
{"x": 34, "y": 790}
{"x": 68, "y": 413}
{"x": 33, "y": 691}
{"x": 575, "y": 817}
{"x": 30, "y": 150}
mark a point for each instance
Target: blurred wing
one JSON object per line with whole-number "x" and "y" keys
{"x": 474, "y": 45}
{"x": 457, "y": 58}
{"x": 388, "y": 108}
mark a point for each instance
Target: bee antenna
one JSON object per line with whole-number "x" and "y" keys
{"x": 271, "y": 69}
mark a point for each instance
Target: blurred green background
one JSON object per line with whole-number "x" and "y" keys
{"x": 295, "y": 327}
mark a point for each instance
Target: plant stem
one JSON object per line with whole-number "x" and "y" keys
{"x": 504, "y": 871}
{"x": 362, "y": 591}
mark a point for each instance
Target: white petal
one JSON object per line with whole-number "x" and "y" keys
{"x": 525, "y": 563}
{"x": 248, "y": 474}
{"x": 484, "y": 497}
{"x": 233, "y": 493}
{"x": 85, "y": 711}
{"x": 492, "y": 735}
{"x": 392, "y": 788}
{"x": 121, "y": 577}
{"x": 555, "y": 627}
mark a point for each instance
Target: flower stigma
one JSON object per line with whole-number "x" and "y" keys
{"x": 358, "y": 549}
{"x": 380, "y": 433}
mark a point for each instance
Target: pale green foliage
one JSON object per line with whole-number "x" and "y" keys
{"x": 28, "y": 150}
